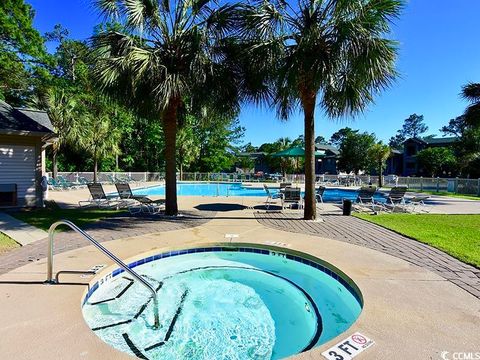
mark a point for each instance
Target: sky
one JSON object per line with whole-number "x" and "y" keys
{"x": 438, "y": 53}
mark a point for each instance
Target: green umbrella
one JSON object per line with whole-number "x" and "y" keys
{"x": 296, "y": 152}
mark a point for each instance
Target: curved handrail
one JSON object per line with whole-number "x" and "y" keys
{"x": 100, "y": 247}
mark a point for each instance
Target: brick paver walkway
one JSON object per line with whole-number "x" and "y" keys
{"x": 359, "y": 232}
{"x": 104, "y": 230}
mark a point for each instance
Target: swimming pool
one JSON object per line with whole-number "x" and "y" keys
{"x": 239, "y": 189}
{"x": 224, "y": 303}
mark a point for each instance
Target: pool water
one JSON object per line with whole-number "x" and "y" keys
{"x": 239, "y": 189}
{"x": 223, "y": 305}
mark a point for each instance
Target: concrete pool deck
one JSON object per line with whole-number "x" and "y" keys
{"x": 440, "y": 204}
{"x": 410, "y": 312}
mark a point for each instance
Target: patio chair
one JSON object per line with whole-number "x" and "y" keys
{"x": 292, "y": 196}
{"x": 138, "y": 203}
{"x": 396, "y": 198}
{"x": 319, "y": 194}
{"x": 98, "y": 197}
{"x": 284, "y": 185}
{"x": 271, "y": 196}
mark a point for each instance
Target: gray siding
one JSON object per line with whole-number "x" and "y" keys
{"x": 30, "y": 141}
{"x": 17, "y": 166}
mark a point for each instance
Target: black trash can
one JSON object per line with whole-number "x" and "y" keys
{"x": 347, "y": 207}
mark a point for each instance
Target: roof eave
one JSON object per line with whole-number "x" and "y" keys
{"x": 41, "y": 134}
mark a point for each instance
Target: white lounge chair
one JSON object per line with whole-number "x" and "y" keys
{"x": 138, "y": 203}
{"x": 98, "y": 198}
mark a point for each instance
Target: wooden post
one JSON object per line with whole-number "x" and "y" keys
{"x": 421, "y": 183}
{"x": 438, "y": 184}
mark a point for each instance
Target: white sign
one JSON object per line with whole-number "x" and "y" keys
{"x": 231, "y": 236}
{"x": 348, "y": 348}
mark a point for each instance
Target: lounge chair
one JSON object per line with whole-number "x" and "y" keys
{"x": 138, "y": 203}
{"x": 98, "y": 197}
{"x": 67, "y": 183}
{"x": 111, "y": 179}
{"x": 53, "y": 184}
{"x": 292, "y": 196}
{"x": 83, "y": 181}
{"x": 365, "y": 199}
{"x": 271, "y": 196}
{"x": 396, "y": 198}
{"x": 417, "y": 204}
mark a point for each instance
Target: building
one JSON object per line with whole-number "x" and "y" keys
{"x": 24, "y": 136}
{"x": 394, "y": 164}
{"x": 257, "y": 159}
{"x": 328, "y": 163}
{"x": 412, "y": 146}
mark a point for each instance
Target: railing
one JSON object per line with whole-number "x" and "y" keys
{"x": 141, "y": 280}
{"x": 452, "y": 185}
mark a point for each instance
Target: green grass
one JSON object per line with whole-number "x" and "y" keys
{"x": 457, "y": 235}
{"x": 43, "y": 218}
{"x": 7, "y": 243}
{"x": 445, "y": 193}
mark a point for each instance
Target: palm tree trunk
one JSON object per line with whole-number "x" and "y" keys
{"x": 95, "y": 169}
{"x": 380, "y": 171}
{"x": 54, "y": 161}
{"x": 170, "y": 133}
{"x": 308, "y": 104}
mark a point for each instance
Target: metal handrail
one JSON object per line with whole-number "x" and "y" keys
{"x": 100, "y": 247}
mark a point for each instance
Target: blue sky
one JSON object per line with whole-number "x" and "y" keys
{"x": 439, "y": 52}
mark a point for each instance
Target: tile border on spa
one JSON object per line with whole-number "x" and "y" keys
{"x": 248, "y": 249}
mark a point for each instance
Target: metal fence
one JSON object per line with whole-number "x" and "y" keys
{"x": 451, "y": 185}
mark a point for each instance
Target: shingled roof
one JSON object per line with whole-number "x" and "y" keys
{"x": 435, "y": 140}
{"x": 327, "y": 147}
{"x": 16, "y": 120}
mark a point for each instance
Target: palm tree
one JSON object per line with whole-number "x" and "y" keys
{"x": 163, "y": 53}
{"x": 471, "y": 92}
{"x": 100, "y": 138}
{"x": 62, "y": 109}
{"x": 379, "y": 153}
{"x": 285, "y": 162}
{"x": 334, "y": 53}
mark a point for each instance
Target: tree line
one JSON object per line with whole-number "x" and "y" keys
{"x": 97, "y": 132}
{"x": 362, "y": 151}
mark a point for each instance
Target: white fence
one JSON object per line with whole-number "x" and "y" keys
{"x": 452, "y": 185}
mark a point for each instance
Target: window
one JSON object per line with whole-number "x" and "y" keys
{"x": 411, "y": 150}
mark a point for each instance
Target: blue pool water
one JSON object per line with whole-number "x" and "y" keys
{"x": 228, "y": 304}
{"x": 239, "y": 189}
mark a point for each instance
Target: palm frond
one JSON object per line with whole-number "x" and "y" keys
{"x": 472, "y": 115}
{"x": 471, "y": 92}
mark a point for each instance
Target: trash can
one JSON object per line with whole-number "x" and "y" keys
{"x": 347, "y": 207}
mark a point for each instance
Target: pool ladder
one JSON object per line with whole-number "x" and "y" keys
{"x": 134, "y": 274}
